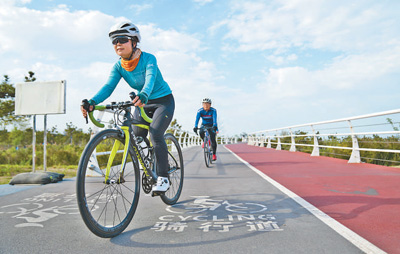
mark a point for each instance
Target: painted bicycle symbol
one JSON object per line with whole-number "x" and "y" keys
{"x": 38, "y": 209}
{"x": 204, "y": 203}
{"x": 36, "y": 213}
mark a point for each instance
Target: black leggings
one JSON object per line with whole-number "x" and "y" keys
{"x": 162, "y": 111}
{"x": 212, "y": 137}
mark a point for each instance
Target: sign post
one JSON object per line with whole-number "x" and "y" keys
{"x": 34, "y": 143}
{"x": 45, "y": 144}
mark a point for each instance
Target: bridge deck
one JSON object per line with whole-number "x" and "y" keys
{"x": 226, "y": 208}
{"x": 363, "y": 197}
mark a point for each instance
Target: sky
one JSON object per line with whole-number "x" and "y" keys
{"x": 265, "y": 64}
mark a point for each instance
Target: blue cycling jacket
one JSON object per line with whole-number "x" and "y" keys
{"x": 146, "y": 78}
{"x": 209, "y": 118}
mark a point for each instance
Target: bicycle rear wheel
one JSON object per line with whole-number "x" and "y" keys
{"x": 107, "y": 202}
{"x": 207, "y": 155}
{"x": 175, "y": 171}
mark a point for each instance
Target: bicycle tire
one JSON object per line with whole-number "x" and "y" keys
{"x": 210, "y": 154}
{"x": 206, "y": 152}
{"x": 107, "y": 208}
{"x": 175, "y": 172}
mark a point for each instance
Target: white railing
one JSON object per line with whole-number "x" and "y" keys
{"x": 186, "y": 139}
{"x": 189, "y": 139}
{"x": 365, "y": 125}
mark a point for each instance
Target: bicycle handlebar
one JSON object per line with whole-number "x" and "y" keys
{"x": 206, "y": 128}
{"x": 119, "y": 105}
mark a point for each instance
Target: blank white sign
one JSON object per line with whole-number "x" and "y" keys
{"x": 40, "y": 98}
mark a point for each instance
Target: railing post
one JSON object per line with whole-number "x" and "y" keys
{"x": 293, "y": 144}
{"x": 180, "y": 139}
{"x": 355, "y": 153}
{"x": 262, "y": 141}
{"x": 279, "y": 146}
{"x": 269, "y": 142}
{"x": 251, "y": 140}
{"x": 315, "y": 151}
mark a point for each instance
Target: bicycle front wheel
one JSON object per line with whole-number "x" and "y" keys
{"x": 207, "y": 154}
{"x": 175, "y": 170}
{"x": 107, "y": 188}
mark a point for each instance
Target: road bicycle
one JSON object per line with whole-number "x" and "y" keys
{"x": 112, "y": 166}
{"x": 208, "y": 151}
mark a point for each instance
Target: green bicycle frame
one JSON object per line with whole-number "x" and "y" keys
{"x": 103, "y": 107}
{"x": 117, "y": 143}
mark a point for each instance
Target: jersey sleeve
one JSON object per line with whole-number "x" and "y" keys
{"x": 215, "y": 119}
{"x": 197, "y": 119}
{"x": 151, "y": 74}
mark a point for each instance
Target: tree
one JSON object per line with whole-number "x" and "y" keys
{"x": 31, "y": 77}
{"x": 7, "y": 104}
{"x": 69, "y": 131}
{"x": 174, "y": 126}
{"x": 390, "y": 121}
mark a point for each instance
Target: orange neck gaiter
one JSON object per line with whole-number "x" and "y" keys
{"x": 130, "y": 65}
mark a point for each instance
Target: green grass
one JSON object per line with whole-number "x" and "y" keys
{"x": 8, "y": 171}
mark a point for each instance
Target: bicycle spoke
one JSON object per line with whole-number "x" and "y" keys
{"x": 98, "y": 196}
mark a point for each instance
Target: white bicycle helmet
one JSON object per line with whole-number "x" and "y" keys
{"x": 207, "y": 100}
{"x": 124, "y": 29}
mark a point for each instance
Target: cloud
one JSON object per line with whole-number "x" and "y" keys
{"x": 139, "y": 8}
{"x": 328, "y": 25}
{"x": 203, "y": 2}
{"x": 73, "y": 45}
{"x": 361, "y": 39}
{"x": 343, "y": 74}
{"x": 327, "y": 56}
{"x": 280, "y": 59}
{"x": 47, "y": 35}
{"x": 154, "y": 38}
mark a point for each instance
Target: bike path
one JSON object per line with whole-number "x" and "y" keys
{"x": 363, "y": 197}
{"x": 227, "y": 208}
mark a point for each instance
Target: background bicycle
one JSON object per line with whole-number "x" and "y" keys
{"x": 208, "y": 151}
{"x": 112, "y": 166}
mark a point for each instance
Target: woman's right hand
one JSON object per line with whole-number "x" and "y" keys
{"x": 85, "y": 107}
{"x": 84, "y": 111}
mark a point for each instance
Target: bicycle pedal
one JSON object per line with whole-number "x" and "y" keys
{"x": 157, "y": 193}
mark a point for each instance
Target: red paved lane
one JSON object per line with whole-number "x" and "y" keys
{"x": 363, "y": 197}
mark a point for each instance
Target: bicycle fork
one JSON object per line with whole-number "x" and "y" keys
{"x": 114, "y": 151}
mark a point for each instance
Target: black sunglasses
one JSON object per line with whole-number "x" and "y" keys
{"x": 120, "y": 40}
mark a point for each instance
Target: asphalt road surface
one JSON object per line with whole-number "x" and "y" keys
{"x": 227, "y": 208}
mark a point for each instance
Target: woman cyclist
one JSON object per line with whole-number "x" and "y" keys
{"x": 139, "y": 69}
{"x": 208, "y": 115}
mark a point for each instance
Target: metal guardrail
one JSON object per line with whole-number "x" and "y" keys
{"x": 319, "y": 131}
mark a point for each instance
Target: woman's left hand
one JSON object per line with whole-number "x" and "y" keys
{"x": 137, "y": 102}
